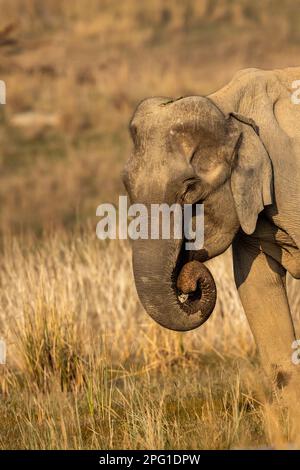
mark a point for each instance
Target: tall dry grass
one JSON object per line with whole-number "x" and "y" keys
{"x": 75, "y": 72}
{"x": 88, "y": 369}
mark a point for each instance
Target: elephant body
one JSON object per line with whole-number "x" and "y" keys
{"x": 266, "y": 97}
{"x": 237, "y": 151}
{"x": 262, "y": 258}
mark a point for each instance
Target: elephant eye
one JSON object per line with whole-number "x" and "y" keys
{"x": 191, "y": 192}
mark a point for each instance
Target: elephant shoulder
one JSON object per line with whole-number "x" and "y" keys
{"x": 246, "y": 73}
{"x": 250, "y": 86}
{"x": 255, "y": 83}
{"x": 244, "y": 91}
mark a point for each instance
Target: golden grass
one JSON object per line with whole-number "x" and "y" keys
{"x": 88, "y": 369}
{"x": 76, "y": 70}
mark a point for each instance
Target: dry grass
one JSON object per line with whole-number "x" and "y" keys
{"x": 88, "y": 369}
{"x": 76, "y": 70}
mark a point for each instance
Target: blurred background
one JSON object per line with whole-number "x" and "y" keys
{"x": 75, "y": 71}
{"x": 86, "y": 367}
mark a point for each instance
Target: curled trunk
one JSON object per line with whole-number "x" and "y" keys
{"x": 178, "y": 296}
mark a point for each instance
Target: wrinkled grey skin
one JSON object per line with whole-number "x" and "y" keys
{"x": 238, "y": 151}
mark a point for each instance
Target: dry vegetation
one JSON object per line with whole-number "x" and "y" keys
{"x": 86, "y": 367}
{"x": 75, "y": 71}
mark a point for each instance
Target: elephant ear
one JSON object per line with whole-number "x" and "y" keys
{"x": 251, "y": 177}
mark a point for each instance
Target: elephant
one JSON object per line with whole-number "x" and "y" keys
{"x": 237, "y": 151}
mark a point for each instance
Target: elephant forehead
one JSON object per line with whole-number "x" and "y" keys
{"x": 148, "y": 112}
{"x": 171, "y": 111}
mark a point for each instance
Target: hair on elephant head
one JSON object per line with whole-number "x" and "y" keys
{"x": 187, "y": 151}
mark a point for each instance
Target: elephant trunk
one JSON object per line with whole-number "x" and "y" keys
{"x": 177, "y": 295}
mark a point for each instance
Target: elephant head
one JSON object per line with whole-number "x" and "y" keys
{"x": 188, "y": 151}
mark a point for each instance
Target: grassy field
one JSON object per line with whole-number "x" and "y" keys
{"x": 75, "y": 72}
{"x": 86, "y": 367}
